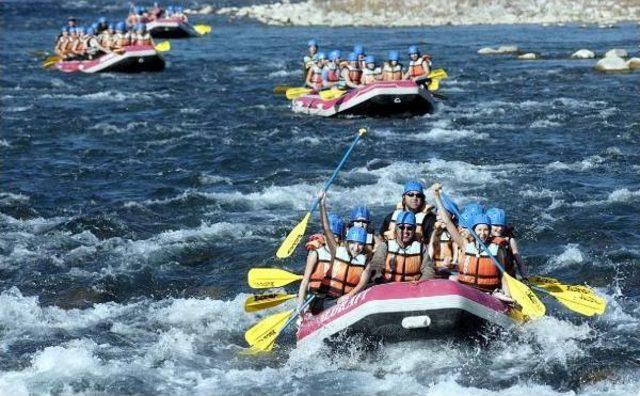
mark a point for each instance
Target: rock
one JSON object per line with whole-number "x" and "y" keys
{"x": 633, "y": 63}
{"x": 583, "y": 54}
{"x": 528, "y": 56}
{"x": 611, "y": 64}
{"x": 487, "y": 51}
{"x": 507, "y": 49}
{"x": 620, "y": 53}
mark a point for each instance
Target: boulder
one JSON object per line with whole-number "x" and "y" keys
{"x": 634, "y": 63}
{"x": 620, "y": 53}
{"x": 611, "y": 64}
{"x": 487, "y": 51}
{"x": 583, "y": 54}
{"x": 528, "y": 56}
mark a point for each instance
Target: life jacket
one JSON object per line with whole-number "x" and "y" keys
{"x": 402, "y": 264}
{"x": 355, "y": 74}
{"x": 332, "y": 73}
{"x": 143, "y": 39}
{"x": 316, "y": 76}
{"x": 105, "y": 39}
{"x": 370, "y": 76}
{"x": 392, "y": 73}
{"x": 120, "y": 40}
{"x": 443, "y": 252}
{"x": 92, "y": 46}
{"x": 416, "y": 67}
{"x": 319, "y": 280}
{"x": 477, "y": 268}
{"x": 390, "y": 233}
{"x": 83, "y": 44}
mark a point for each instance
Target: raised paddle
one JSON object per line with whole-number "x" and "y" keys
{"x": 266, "y": 278}
{"x": 202, "y": 29}
{"x": 262, "y": 336}
{"x": 293, "y": 239}
{"x": 530, "y": 304}
{"x": 259, "y": 302}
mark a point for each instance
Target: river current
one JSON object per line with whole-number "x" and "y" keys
{"x": 132, "y": 207}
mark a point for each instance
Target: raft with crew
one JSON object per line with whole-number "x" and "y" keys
{"x": 131, "y": 59}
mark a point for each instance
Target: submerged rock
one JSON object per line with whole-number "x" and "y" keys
{"x": 633, "y": 63}
{"x": 528, "y": 56}
{"x": 612, "y": 64}
{"x": 619, "y": 52}
{"x": 583, "y": 54}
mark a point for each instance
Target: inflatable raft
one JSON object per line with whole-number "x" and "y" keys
{"x": 382, "y": 98}
{"x": 171, "y": 28}
{"x": 133, "y": 59}
{"x": 408, "y": 310}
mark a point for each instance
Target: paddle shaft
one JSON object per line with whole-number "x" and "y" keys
{"x": 298, "y": 312}
{"x": 335, "y": 172}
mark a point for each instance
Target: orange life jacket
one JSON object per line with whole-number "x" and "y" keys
{"x": 443, "y": 253}
{"x": 390, "y": 233}
{"x": 416, "y": 68}
{"x": 402, "y": 264}
{"x": 355, "y": 74}
{"x": 477, "y": 268}
{"x": 339, "y": 277}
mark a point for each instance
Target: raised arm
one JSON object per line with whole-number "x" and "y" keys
{"x": 444, "y": 216}
{"x": 330, "y": 240}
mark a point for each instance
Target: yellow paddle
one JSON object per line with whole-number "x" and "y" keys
{"x": 433, "y": 85}
{"x": 530, "y": 305}
{"x": 281, "y": 89}
{"x": 265, "y": 278}
{"x": 580, "y": 299}
{"x": 296, "y": 92}
{"x": 262, "y": 336}
{"x": 163, "y": 46}
{"x": 332, "y": 93}
{"x": 50, "y": 61}
{"x": 293, "y": 239}
{"x": 264, "y": 301}
{"x": 439, "y": 74}
{"x": 202, "y": 29}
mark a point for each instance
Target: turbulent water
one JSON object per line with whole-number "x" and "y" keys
{"x": 132, "y": 207}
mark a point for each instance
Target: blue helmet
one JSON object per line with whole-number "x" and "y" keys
{"x": 178, "y": 9}
{"x": 466, "y": 219}
{"x": 413, "y": 186}
{"x": 91, "y": 31}
{"x": 102, "y": 20}
{"x": 370, "y": 59}
{"x": 121, "y": 27}
{"x": 406, "y": 217}
{"x": 393, "y": 56}
{"x": 335, "y": 54}
{"x": 449, "y": 205}
{"x": 170, "y": 8}
{"x": 94, "y": 25}
{"x": 336, "y": 224}
{"x": 353, "y": 57}
{"x": 497, "y": 216}
{"x": 414, "y": 50}
{"x": 358, "y": 49}
{"x": 360, "y": 213}
{"x": 312, "y": 43}
{"x": 357, "y": 234}
{"x": 321, "y": 56}
{"x": 480, "y": 218}
{"x": 141, "y": 27}
{"x": 473, "y": 208}
{"x": 112, "y": 26}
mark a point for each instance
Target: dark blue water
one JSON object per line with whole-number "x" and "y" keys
{"x": 132, "y": 206}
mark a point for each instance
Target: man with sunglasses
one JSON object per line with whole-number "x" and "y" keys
{"x": 404, "y": 258}
{"x": 413, "y": 201}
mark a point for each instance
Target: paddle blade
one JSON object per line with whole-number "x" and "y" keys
{"x": 262, "y": 336}
{"x": 296, "y": 92}
{"x": 281, "y": 89}
{"x": 163, "y": 46}
{"x": 330, "y": 94}
{"x": 202, "y": 29}
{"x": 434, "y": 85}
{"x": 439, "y": 74}
{"x": 265, "y": 278}
{"x": 577, "y": 298}
{"x": 265, "y": 301}
{"x": 293, "y": 239}
{"x": 530, "y": 304}
{"x": 50, "y": 61}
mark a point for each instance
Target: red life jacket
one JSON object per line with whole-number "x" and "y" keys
{"x": 355, "y": 74}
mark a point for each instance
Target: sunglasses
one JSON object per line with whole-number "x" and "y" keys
{"x": 412, "y": 194}
{"x": 406, "y": 227}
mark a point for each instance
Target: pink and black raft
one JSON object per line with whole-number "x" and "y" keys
{"x": 171, "y": 28}
{"x": 384, "y": 98}
{"x": 408, "y": 310}
{"x": 133, "y": 59}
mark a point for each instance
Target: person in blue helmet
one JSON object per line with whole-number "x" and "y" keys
{"x": 476, "y": 267}
{"x": 94, "y": 49}
{"x": 314, "y": 74}
{"x": 358, "y": 49}
{"x": 404, "y": 257}
{"x": 80, "y": 44}
{"x": 504, "y": 235}
{"x": 120, "y": 39}
{"x": 350, "y": 74}
{"x": 371, "y": 73}
{"x": 360, "y": 216}
{"x": 392, "y": 69}
{"x": 442, "y": 249}
{"x": 311, "y": 57}
{"x": 419, "y": 66}
{"x": 331, "y": 71}
{"x": 106, "y": 37}
{"x": 413, "y": 200}
{"x": 143, "y": 37}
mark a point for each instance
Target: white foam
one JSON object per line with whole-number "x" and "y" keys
{"x": 580, "y": 166}
{"x": 570, "y": 255}
{"x": 622, "y": 195}
{"x": 285, "y": 73}
{"x": 110, "y": 96}
{"x": 214, "y": 179}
